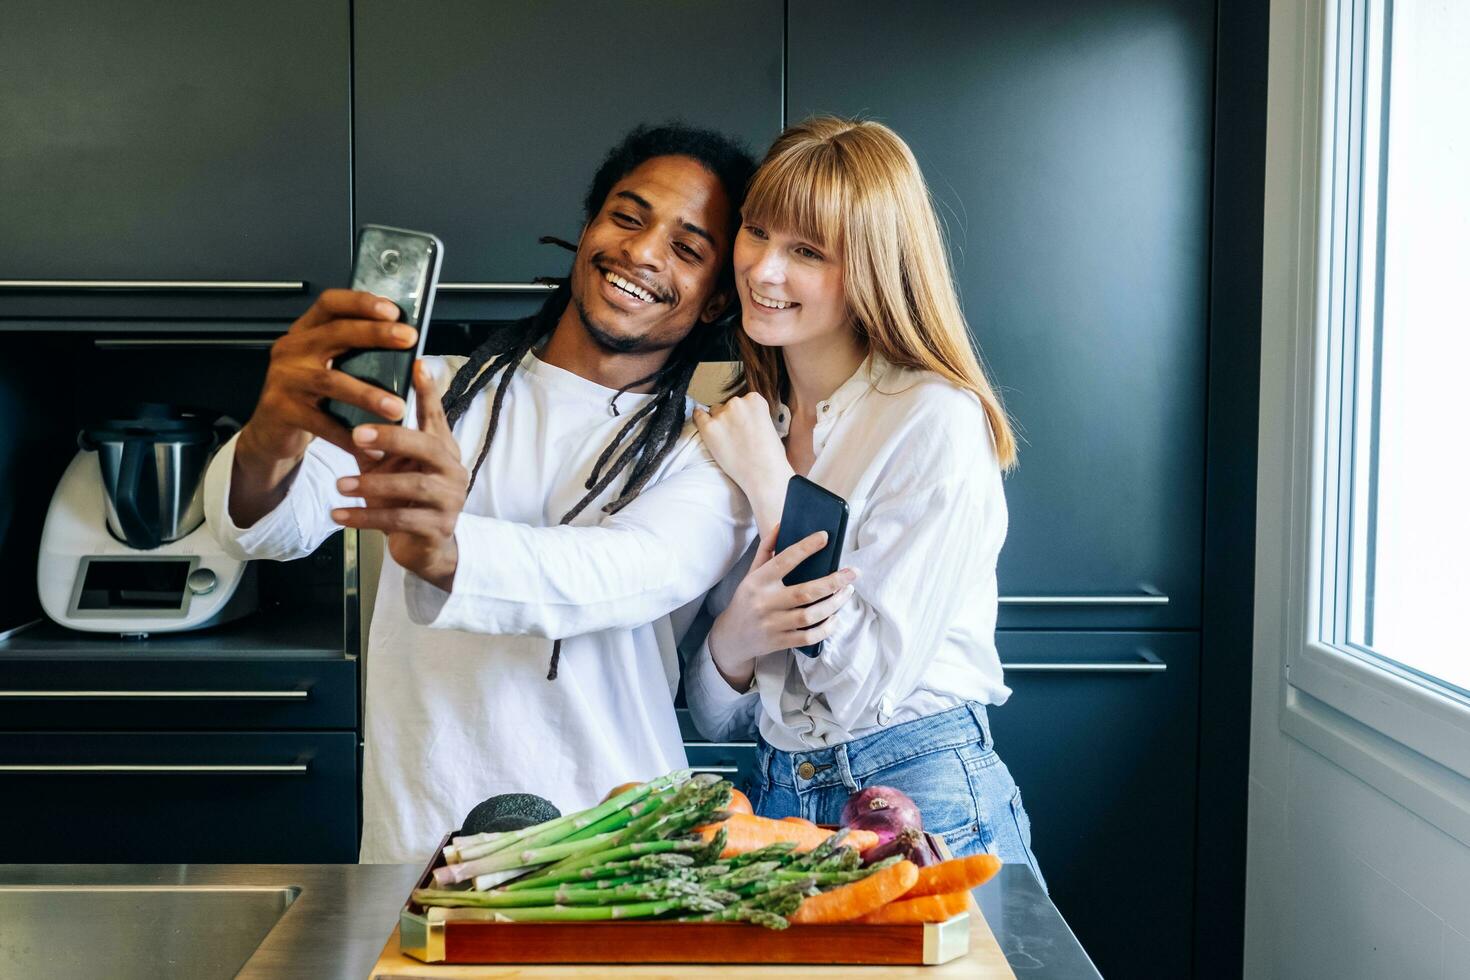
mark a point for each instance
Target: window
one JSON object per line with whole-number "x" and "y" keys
{"x": 1394, "y": 389}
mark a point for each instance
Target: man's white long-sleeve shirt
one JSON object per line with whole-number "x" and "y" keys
{"x": 458, "y": 707}
{"x": 913, "y": 456}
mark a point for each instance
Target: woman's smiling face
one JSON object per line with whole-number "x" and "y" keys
{"x": 791, "y": 289}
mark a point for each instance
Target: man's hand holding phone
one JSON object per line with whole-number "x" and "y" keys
{"x": 299, "y": 379}
{"x": 416, "y": 491}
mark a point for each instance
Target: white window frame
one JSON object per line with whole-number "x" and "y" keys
{"x": 1408, "y": 738}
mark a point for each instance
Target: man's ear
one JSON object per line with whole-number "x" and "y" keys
{"x": 715, "y": 306}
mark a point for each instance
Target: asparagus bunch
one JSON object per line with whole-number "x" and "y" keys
{"x": 634, "y": 856}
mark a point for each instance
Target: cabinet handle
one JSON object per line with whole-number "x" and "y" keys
{"x": 724, "y": 769}
{"x": 1147, "y": 662}
{"x": 1141, "y": 599}
{"x": 156, "y": 285}
{"x": 496, "y": 287}
{"x": 154, "y": 695}
{"x": 182, "y": 343}
{"x": 295, "y": 769}
{"x": 719, "y": 745}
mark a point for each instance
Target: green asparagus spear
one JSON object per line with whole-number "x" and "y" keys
{"x": 648, "y": 864}
{"x": 565, "y": 895}
{"x": 583, "y": 913}
{"x": 771, "y": 852}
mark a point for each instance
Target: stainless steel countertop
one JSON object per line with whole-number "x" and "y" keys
{"x": 344, "y": 914}
{"x": 334, "y": 929}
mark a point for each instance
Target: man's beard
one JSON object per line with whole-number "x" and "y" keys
{"x": 610, "y": 342}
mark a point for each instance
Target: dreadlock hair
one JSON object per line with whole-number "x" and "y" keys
{"x": 662, "y": 417}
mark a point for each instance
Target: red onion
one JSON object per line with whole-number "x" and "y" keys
{"x": 883, "y": 810}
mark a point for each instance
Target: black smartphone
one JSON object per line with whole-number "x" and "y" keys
{"x": 808, "y": 509}
{"x": 402, "y": 266}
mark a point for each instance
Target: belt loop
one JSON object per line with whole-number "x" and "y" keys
{"x": 982, "y": 718}
{"x": 844, "y": 768}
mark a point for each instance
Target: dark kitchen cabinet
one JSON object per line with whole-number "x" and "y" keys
{"x": 93, "y": 695}
{"x": 145, "y": 797}
{"x": 485, "y": 121}
{"x": 1067, "y": 146}
{"x": 237, "y": 743}
{"x": 204, "y": 148}
{"x": 1100, "y": 733}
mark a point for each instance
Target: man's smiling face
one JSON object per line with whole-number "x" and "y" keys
{"x": 648, "y": 264}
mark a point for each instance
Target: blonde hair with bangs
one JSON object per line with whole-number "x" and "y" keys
{"x": 855, "y": 186}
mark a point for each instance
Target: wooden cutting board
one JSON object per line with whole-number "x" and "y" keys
{"x": 984, "y": 961}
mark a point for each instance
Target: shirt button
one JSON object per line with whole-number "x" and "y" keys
{"x": 806, "y": 770}
{"x": 825, "y": 407}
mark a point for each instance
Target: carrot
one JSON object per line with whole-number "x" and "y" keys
{"x": 620, "y": 788}
{"x": 748, "y": 832}
{"x": 855, "y": 900}
{"x": 955, "y": 875}
{"x": 930, "y": 908}
{"x": 801, "y": 820}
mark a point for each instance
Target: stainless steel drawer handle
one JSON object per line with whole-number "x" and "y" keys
{"x": 1141, "y": 599}
{"x": 184, "y": 343}
{"x": 156, "y": 285}
{"x": 1147, "y": 663}
{"x": 719, "y": 745}
{"x": 496, "y": 287}
{"x": 154, "y": 695}
{"x": 295, "y": 769}
{"x": 724, "y": 769}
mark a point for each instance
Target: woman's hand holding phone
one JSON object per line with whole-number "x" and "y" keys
{"x": 766, "y": 615}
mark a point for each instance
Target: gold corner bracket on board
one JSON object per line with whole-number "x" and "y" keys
{"x": 424, "y": 940}
{"x": 947, "y": 940}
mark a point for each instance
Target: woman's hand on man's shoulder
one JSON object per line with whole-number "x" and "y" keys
{"x": 741, "y": 437}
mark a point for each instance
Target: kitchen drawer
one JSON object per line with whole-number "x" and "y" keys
{"x": 230, "y": 695}
{"x": 207, "y": 797}
{"x": 733, "y": 760}
{"x": 1101, "y": 735}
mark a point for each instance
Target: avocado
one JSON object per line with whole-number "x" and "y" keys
{"x": 508, "y": 811}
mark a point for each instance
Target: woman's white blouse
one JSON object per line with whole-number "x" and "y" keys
{"x": 914, "y": 457}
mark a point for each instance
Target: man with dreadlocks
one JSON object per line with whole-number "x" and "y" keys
{"x": 552, "y": 508}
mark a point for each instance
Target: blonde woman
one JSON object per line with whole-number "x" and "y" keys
{"x": 859, "y": 373}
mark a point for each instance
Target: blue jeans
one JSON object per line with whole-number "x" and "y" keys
{"x": 946, "y": 763}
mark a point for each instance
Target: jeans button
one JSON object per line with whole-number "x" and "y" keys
{"x": 806, "y": 770}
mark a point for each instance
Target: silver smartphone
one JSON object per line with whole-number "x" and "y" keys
{"x": 401, "y": 266}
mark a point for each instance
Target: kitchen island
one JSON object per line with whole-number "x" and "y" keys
{"x": 319, "y": 922}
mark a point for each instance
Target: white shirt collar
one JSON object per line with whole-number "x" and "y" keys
{"x": 870, "y": 374}
{"x": 574, "y": 385}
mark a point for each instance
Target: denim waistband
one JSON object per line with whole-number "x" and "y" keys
{"x": 846, "y": 763}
